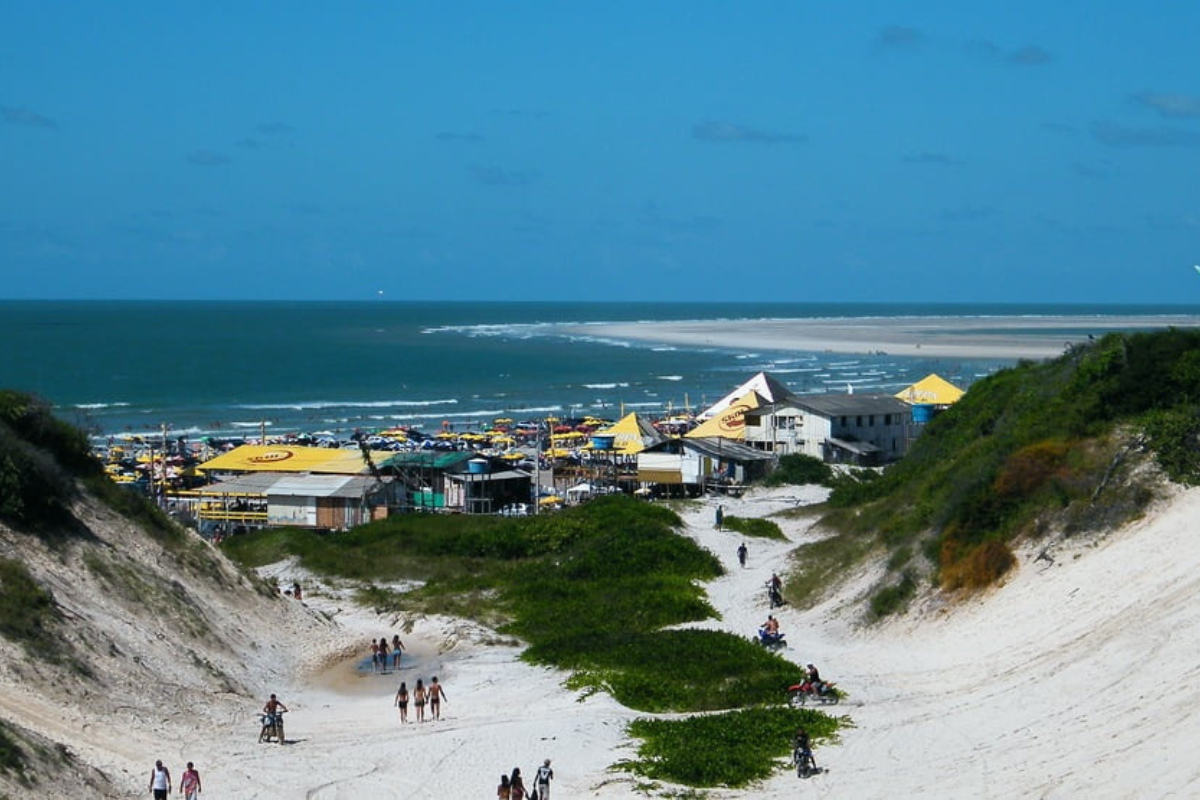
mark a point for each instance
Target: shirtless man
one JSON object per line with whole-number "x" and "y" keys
{"x": 436, "y": 695}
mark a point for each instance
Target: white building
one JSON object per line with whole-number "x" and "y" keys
{"x": 863, "y": 429}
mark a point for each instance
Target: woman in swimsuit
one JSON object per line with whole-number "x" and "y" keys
{"x": 419, "y": 700}
{"x": 436, "y": 696}
{"x": 516, "y": 785}
{"x": 402, "y": 701}
{"x": 397, "y": 646}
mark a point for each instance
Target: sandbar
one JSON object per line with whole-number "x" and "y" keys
{"x": 991, "y": 337}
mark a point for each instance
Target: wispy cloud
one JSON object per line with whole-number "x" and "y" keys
{"x": 25, "y": 117}
{"x": 207, "y": 158}
{"x": 1115, "y": 135}
{"x": 1093, "y": 171}
{"x": 1030, "y": 55}
{"x": 452, "y": 137}
{"x": 651, "y": 216}
{"x": 967, "y": 213}
{"x": 898, "y": 37}
{"x": 1172, "y": 106}
{"x": 715, "y": 131}
{"x": 498, "y": 176}
{"x": 933, "y": 159}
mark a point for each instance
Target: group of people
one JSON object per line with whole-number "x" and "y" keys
{"x": 161, "y": 785}
{"x": 380, "y": 653}
{"x": 512, "y": 787}
{"x": 422, "y": 695}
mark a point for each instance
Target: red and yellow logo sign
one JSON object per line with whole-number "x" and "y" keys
{"x": 734, "y": 419}
{"x": 271, "y": 457}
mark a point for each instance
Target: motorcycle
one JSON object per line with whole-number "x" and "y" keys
{"x": 272, "y": 728}
{"x": 825, "y": 693}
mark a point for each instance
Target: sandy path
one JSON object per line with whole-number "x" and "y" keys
{"x": 1076, "y": 679}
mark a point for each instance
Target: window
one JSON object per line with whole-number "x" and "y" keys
{"x": 871, "y": 421}
{"x": 858, "y": 421}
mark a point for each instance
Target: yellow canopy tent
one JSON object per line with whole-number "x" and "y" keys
{"x": 730, "y": 422}
{"x": 289, "y": 458}
{"x": 631, "y": 434}
{"x": 932, "y": 389}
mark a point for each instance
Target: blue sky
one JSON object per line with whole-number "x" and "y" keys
{"x": 862, "y": 151}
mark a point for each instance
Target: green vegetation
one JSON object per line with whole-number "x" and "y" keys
{"x": 41, "y": 458}
{"x": 1034, "y": 448}
{"x": 591, "y": 589}
{"x": 12, "y": 757}
{"x": 753, "y": 526}
{"x": 27, "y": 611}
{"x": 731, "y": 749}
{"x": 799, "y": 469}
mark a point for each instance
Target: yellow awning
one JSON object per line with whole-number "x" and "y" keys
{"x": 730, "y": 422}
{"x": 289, "y": 458}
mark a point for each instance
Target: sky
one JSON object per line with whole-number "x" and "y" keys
{"x": 686, "y": 151}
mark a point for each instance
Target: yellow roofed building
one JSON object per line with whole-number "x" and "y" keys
{"x": 293, "y": 458}
{"x": 932, "y": 390}
{"x": 730, "y": 421}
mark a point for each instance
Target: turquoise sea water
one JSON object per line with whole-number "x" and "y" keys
{"x": 224, "y": 368}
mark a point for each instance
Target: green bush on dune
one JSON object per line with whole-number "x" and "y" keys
{"x": 1037, "y": 447}
{"x": 590, "y": 589}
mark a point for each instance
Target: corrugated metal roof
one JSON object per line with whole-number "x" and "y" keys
{"x": 428, "y": 459}
{"x": 838, "y": 405}
{"x": 720, "y": 447}
{"x": 274, "y": 484}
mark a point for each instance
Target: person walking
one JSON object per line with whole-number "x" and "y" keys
{"x": 544, "y": 775}
{"x": 504, "y": 790}
{"x": 419, "y": 700}
{"x": 516, "y": 785}
{"x": 189, "y": 784}
{"x": 720, "y": 517}
{"x": 383, "y": 654}
{"x": 741, "y": 551}
{"x": 160, "y": 781}
{"x": 436, "y": 695}
{"x": 402, "y": 701}
{"x": 397, "y": 646}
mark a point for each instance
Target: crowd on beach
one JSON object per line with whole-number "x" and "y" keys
{"x": 512, "y": 786}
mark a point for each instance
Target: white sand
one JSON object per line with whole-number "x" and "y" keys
{"x": 1076, "y": 679}
{"x": 1000, "y": 337}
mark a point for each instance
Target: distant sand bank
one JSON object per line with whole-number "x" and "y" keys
{"x": 953, "y": 337}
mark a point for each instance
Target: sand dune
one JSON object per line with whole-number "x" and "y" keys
{"x": 1033, "y": 337}
{"x": 1076, "y": 678}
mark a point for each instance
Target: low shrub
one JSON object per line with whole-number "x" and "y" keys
{"x": 27, "y": 612}
{"x": 982, "y": 565}
{"x": 732, "y": 749}
{"x": 754, "y": 526}
{"x": 894, "y": 598}
{"x": 799, "y": 469}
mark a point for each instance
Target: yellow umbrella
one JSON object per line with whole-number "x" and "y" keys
{"x": 545, "y": 501}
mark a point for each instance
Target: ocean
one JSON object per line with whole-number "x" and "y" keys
{"x": 228, "y": 369}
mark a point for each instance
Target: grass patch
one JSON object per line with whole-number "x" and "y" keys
{"x": 754, "y": 526}
{"x": 733, "y": 749}
{"x": 28, "y": 613}
{"x": 819, "y": 566}
{"x": 594, "y": 590}
{"x": 12, "y": 757}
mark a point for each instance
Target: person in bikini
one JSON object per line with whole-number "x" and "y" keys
{"x": 397, "y": 647}
{"x": 402, "y": 701}
{"x": 419, "y": 700}
{"x": 436, "y": 695}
